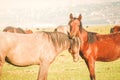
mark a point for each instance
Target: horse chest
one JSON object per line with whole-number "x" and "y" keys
{"x": 88, "y": 50}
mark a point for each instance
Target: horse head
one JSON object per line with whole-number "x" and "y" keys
{"x": 74, "y": 48}
{"x": 75, "y": 25}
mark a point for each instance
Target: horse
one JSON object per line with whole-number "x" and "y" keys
{"x": 115, "y": 29}
{"x": 19, "y": 49}
{"x": 28, "y": 31}
{"x": 17, "y": 30}
{"x": 63, "y": 29}
{"x": 13, "y": 30}
{"x": 94, "y": 46}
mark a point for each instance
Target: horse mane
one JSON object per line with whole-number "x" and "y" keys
{"x": 107, "y": 36}
{"x": 111, "y": 30}
{"x": 20, "y": 30}
{"x": 91, "y": 37}
{"x": 80, "y": 27}
{"x": 58, "y": 38}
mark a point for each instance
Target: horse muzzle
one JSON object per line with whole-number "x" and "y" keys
{"x": 76, "y": 59}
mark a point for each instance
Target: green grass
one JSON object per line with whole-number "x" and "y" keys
{"x": 63, "y": 68}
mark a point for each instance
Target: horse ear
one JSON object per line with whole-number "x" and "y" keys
{"x": 80, "y": 17}
{"x": 71, "y": 16}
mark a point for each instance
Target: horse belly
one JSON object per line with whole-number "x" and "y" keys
{"x": 23, "y": 61}
{"x": 108, "y": 55}
{"x": 23, "y": 58}
{"x": 33, "y": 57}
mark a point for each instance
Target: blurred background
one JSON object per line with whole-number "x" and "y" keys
{"x": 51, "y": 13}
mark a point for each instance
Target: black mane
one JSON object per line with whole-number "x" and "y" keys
{"x": 91, "y": 37}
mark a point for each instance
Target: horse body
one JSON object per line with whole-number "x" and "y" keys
{"x": 102, "y": 48}
{"x": 109, "y": 47}
{"x": 94, "y": 46}
{"x": 35, "y": 49}
{"x": 22, "y": 43}
{"x": 17, "y": 30}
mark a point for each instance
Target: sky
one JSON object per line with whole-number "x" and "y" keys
{"x": 10, "y": 15}
{"x": 8, "y": 4}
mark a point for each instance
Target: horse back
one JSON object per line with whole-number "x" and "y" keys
{"x": 107, "y": 47}
{"x": 17, "y": 46}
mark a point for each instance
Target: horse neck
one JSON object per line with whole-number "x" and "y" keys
{"x": 60, "y": 41}
{"x": 64, "y": 45}
{"x": 83, "y": 35}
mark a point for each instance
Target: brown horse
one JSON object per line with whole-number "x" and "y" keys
{"x": 63, "y": 29}
{"x": 17, "y": 30}
{"x": 17, "y": 49}
{"x": 115, "y": 29}
{"x": 95, "y": 47}
{"x": 13, "y": 30}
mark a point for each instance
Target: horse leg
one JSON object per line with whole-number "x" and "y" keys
{"x": 1, "y": 65}
{"x": 91, "y": 65}
{"x": 43, "y": 71}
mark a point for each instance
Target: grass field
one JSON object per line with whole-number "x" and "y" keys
{"x": 63, "y": 68}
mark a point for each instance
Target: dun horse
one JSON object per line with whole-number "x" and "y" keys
{"x": 95, "y": 47}
{"x": 19, "y": 49}
{"x": 115, "y": 29}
